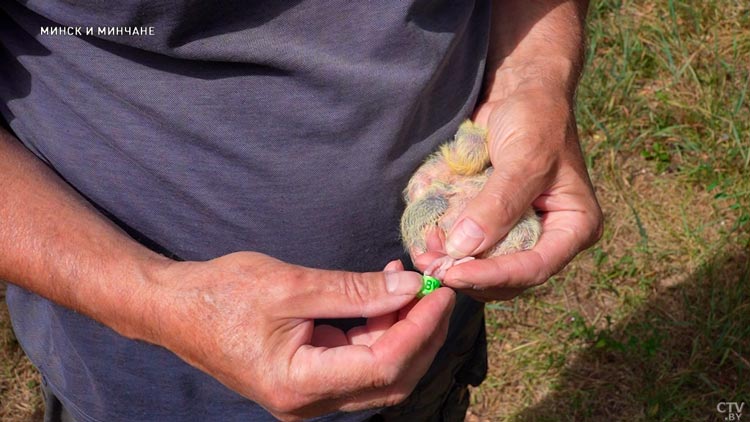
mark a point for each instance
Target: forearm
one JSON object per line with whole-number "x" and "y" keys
{"x": 535, "y": 44}
{"x": 58, "y": 246}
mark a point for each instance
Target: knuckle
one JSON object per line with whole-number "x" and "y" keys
{"x": 284, "y": 405}
{"x": 542, "y": 276}
{"x": 598, "y": 224}
{"x": 598, "y": 232}
{"x": 594, "y": 227}
{"x": 536, "y": 169}
{"x": 282, "y": 290}
{"x": 393, "y": 390}
{"x": 357, "y": 290}
{"x": 500, "y": 202}
{"x": 395, "y": 398}
{"x": 385, "y": 377}
{"x": 285, "y": 399}
{"x": 545, "y": 271}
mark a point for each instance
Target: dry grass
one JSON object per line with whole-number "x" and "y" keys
{"x": 19, "y": 382}
{"x": 653, "y": 323}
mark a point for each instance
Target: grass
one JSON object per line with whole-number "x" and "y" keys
{"x": 19, "y": 382}
{"x": 653, "y": 323}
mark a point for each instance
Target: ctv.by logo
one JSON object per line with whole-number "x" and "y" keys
{"x": 731, "y": 410}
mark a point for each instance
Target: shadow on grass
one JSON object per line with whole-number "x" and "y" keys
{"x": 685, "y": 351}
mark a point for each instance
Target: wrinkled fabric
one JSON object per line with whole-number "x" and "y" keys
{"x": 283, "y": 127}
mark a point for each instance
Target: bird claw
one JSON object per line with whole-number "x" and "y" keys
{"x": 440, "y": 266}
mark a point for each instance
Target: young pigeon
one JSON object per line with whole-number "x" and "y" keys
{"x": 441, "y": 188}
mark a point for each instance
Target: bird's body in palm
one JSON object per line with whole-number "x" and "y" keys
{"x": 441, "y": 188}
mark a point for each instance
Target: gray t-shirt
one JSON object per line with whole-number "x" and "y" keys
{"x": 203, "y": 128}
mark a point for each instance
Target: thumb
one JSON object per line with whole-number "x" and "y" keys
{"x": 488, "y": 217}
{"x": 340, "y": 294}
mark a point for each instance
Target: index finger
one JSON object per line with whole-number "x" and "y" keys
{"x": 341, "y": 294}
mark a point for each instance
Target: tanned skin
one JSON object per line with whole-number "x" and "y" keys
{"x": 534, "y": 64}
{"x": 225, "y": 317}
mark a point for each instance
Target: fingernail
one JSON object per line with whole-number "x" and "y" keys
{"x": 402, "y": 282}
{"x": 464, "y": 239}
{"x": 391, "y": 266}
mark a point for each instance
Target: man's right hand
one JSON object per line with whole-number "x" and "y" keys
{"x": 247, "y": 319}
{"x": 244, "y": 318}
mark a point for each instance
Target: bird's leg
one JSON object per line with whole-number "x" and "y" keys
{"x": 440, "y": 266}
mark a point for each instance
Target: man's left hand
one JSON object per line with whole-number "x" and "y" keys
{"x": 537, "y": 160}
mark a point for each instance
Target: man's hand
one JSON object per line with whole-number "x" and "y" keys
{"x": 537, "y": 160}
{"x": 247, "y": 319}
{"x": 244, "y": 318}
{"x": 533, "y": 69}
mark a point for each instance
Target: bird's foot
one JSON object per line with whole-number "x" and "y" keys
{"x": 440, "y": 266}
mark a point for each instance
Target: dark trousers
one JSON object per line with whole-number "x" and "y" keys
{"x": 442, "y": 396}
{"x": 54, "y": 411}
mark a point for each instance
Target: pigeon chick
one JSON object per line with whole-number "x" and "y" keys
{"x": 441, "y": 188}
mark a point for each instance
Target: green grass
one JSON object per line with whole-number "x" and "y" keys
{"x": 653, "y": 323}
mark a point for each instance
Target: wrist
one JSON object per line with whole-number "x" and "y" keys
{"x": 556, "y": 76}
{"x": 136, "y": 306}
